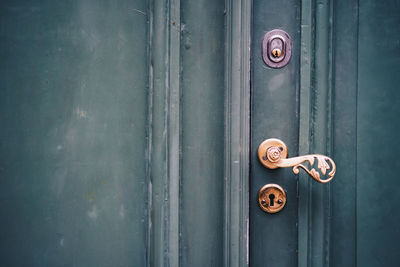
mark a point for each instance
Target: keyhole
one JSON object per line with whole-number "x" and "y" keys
{"x": 271, "y": 199}
{"x": 276, "y": 53}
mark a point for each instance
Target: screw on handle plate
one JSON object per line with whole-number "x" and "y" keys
{"x": 272, "y": 153}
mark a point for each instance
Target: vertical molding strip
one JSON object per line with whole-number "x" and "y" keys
{"x": 164, "y": 133}
{"x": 304, "y": 188}
{"x": 315, "y": 129}
{"x": 237, "y": 133}
{"x": 149, "y": 129}
{"x": 174, "y": 133}
{"x": 158, "y": 128}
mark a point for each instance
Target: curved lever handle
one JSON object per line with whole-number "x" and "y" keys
{"x": 273, "y": 154}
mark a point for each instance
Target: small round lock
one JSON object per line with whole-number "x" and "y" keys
{"x": 276, "y": 53}
{"x": 271, "y": 198}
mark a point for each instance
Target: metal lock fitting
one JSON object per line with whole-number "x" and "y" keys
{"x": 271, "y": 198}
{"x": 277, "y": 48}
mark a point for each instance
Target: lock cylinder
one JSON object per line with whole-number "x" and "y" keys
{"x": 277, "y": 48}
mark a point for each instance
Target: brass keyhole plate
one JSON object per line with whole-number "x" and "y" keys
{"x": 271, "y": 198}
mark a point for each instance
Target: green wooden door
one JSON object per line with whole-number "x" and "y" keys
{"x": 112, "y": 133}
{"x": 338, "y": 96}
{"x": 129, "y": 131}
{"x": 73, "y": 144}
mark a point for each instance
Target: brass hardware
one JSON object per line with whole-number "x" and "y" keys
{"x": 276, "y": 52}
{"x": 273, "y": 154}
{"x": 271, "y": 198}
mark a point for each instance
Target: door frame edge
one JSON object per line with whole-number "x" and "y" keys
{"x": 237, "y": 132}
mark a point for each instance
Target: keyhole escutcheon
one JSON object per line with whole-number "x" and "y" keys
{"x": 271, "y": 198}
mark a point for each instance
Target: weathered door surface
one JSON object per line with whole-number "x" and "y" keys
{"x": 338, "y": 96}
{"x": 129, "y": 132}
{"x": 73, "y": 140}
{"x": 112, "y": 133}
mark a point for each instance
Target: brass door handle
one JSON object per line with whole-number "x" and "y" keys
{"x": 272, "y": 153}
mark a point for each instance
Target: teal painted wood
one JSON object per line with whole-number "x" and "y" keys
{"x": 315, "y": 129}
{"x": 344, "y": 152}
{"x": 364, "y": 104}
{"x": 348, "y": 107}
{"x": 165, "y": 132}
{"x": 304, "y": 184}
{"x": 74, "y": 186}
{"x": 202, "y": 115}
{"x": 321, "y": 127}
{"x": 164, "y": 145}
{"x": 378, "y": 125}
{"x": 174, "y": 129}
{"x": 274, "y": 113}
{"x": 158, "y": 168}
{"x": 237, "y": 133}
{"x": 73, "y": 129}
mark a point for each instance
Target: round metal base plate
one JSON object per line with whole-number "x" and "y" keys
{"x": 262, "y": 151}
{"x": 271, "y": 198}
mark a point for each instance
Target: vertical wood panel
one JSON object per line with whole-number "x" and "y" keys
{"x": 202, "y": 180}
{"x": 174, "y": 129}
{"x": 274, "y": 113}
{"x": 237, "y": 133}
{"x": 343, "y": 219}
{"x": 165, "y": 132}
{"x": 73, "y": 110}
{"x": 378, "y": 123}
{"x": 315, "y": 129}
{"x": 158, "y": 120}
{"x": 306, "y": 79}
